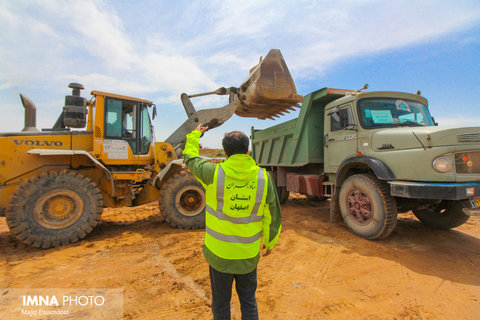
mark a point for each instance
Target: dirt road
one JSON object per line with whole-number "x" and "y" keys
{"x": 317, "y": 271}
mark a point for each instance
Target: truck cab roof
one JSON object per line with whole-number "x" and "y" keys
{"x": 393, "y": 94}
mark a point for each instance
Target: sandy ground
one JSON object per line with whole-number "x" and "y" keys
{"x": 318, "y": 270}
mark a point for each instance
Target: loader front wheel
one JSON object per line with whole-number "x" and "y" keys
{"x": 54, "y": 208}
{"x": 182, "y": 201}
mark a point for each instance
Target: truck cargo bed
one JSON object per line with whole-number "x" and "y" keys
{"x": 299, "y": 141}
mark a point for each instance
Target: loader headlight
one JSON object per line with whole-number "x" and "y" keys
{"x": 442, "y": 164}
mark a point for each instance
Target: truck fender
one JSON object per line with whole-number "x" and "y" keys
{"x": 380, "y": 169}
{"x": 61, "y": 152}
{"x": 173, "y": 165}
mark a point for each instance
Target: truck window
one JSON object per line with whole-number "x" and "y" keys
{"x": 392, "y": 112}
{"x": 341, "y": 119}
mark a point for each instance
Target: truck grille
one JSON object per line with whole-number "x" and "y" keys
{"x": 467, "y": 162}
{"x": 469, "y": 137}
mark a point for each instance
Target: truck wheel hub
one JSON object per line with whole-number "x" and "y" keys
{"x": 359, "y": 206}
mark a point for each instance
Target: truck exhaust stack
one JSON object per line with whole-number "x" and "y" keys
{"x": 269, "y": 90}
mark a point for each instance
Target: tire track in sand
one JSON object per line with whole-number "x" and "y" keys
{"x": 159, "y": 260}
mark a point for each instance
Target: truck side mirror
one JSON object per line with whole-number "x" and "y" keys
{"x": 345, "y": 119}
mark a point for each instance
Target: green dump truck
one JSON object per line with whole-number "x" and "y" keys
{"x": 375, "y": 154}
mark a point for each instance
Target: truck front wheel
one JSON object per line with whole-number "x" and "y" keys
{"x": 445, "y": 215}
{"x": 366, "y": 206}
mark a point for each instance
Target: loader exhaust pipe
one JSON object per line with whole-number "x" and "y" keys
{"x": 30, "y": 114}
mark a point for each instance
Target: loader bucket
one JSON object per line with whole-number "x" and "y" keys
{"x": 269, "y": 90}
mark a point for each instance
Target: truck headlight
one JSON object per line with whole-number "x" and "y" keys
{"x": 442, "y": 164}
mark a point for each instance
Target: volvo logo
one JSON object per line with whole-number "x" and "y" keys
{"x": 38, "y": 143}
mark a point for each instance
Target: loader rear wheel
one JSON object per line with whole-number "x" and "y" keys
{"x": 367, "y": 207}
{"x": 182, "y": 201}
{"x": 54, "y": 208}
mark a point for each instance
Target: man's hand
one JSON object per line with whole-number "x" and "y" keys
{"x": 266, "y": 252}
{"x": 201, "y": 128}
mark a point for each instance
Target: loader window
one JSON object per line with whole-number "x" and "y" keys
{"x": 146, "y": 132}
{"x": 114, "y": 119}
{"x": 120, "y": 121}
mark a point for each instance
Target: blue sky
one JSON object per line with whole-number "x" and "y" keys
{"x": 158, "y": 49}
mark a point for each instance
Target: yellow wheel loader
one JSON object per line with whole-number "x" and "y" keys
{"x": 54, "y": 183}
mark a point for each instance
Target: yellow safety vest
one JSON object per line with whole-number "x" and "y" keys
{"x": 234, "y": 211}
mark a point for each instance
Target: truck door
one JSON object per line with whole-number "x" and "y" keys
{"x": 341, "y": 137}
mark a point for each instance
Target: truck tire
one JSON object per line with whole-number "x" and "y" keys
{"x": 446, "y": 215}
{"x": 54, "y": 208}
{"x": 366, "y": 206}
{"x": 283, "y": 194}
{"x": 315, "y": 198}
{"x": 182, "y": 201}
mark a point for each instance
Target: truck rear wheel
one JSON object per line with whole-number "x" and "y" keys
{"x": 283, "y": 194}
{"x": 315, "y": 198}
{"x": 366, "y": 206}
{"x": 182, "y": 201}
{"x": 446, "y": 215}
{"x": 54, "y": 208}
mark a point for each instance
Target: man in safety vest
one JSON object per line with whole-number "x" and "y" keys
{"x": 241, "y": 206}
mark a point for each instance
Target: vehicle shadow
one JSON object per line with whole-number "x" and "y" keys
{"x": 448, "y": 254}
{"x": 14, "y": 251}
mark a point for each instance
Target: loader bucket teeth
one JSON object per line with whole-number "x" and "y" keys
{"x": 269, "y": 90}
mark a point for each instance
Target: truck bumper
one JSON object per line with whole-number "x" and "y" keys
{"x": 435, "y": 191}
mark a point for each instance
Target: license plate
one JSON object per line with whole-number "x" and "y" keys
{"x": 476, "y": 202}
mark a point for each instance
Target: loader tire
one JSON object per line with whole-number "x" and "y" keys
{"x": 367, "y": 207}
{"x": 446, "y": 215}
{"x": 182, "y": 201}
{"x": 54, "y": 208}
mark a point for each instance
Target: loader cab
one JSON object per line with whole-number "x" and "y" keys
{"x": 128, "y": 121}
{"x": 126, "y": 127}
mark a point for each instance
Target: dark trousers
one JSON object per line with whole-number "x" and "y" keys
{"x": 246, "y": 285}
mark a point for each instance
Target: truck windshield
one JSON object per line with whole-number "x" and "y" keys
{"x": 392, "y": 112}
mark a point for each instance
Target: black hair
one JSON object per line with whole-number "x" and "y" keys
{"x": 235, "y": 142}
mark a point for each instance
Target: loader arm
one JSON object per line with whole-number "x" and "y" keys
{"x": 268, "y": 92}
{"x": 209, "y": 118}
